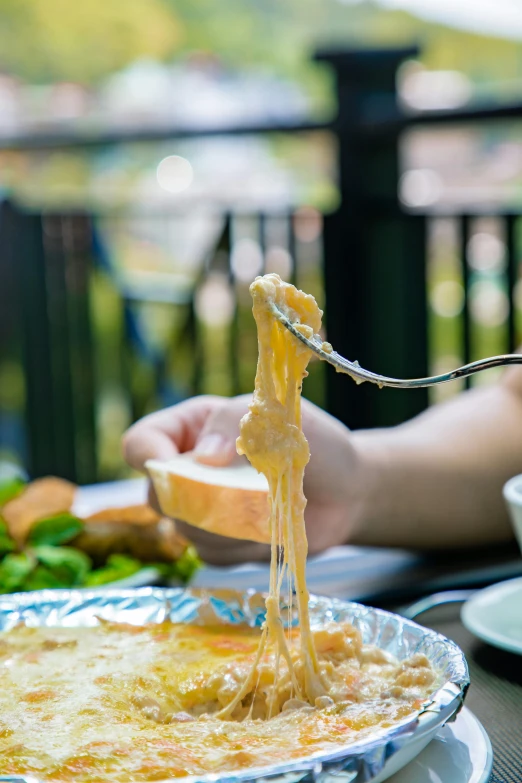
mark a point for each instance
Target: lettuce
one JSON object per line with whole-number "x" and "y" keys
{"x": 117, "y": 567}
{"x": 42, "y": 578}
{"x": 10, "y": 488}
{"x": 55, "y": 531}
{"x": 14, "y": 569}
{"x": 6, "y": 542}
{"x": 47, "y": 564}
{"x": 183, "y": 569}
{"x": 67, "y": 565}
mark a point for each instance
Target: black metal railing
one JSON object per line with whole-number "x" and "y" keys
{"x": 369, "y": 267}
{"x": 62, "y": 275}
{"x": 504, "y": 335}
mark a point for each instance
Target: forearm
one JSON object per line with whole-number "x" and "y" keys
{"x": 437, "y": 480}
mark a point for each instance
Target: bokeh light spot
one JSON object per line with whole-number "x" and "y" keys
{"x": 174, "y": 174}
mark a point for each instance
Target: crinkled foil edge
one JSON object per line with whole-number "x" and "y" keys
{"x": 355, "y": 763}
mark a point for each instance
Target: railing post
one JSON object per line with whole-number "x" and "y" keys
{"x": 48, "y": 259}
{"x": 23, "y": 244}
{"x": 374, "y": 253}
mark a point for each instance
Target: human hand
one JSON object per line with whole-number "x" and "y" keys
{"x": 209, "y": 426}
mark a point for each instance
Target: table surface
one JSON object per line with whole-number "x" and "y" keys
{"x": 495, "y": 694}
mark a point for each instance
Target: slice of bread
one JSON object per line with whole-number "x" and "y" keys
{"x": 230, "y": 501}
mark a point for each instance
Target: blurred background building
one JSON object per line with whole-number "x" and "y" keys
{"x": 156, "y": 155}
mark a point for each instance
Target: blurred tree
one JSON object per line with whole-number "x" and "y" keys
{"x": 46, "y": 41}
{"x": 281, "y": 36}
{"x": 43, "y": 41}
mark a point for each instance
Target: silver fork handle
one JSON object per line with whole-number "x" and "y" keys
{"x": 360, "y": 375}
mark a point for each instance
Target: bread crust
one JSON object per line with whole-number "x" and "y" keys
{"x": 231, "y": 511}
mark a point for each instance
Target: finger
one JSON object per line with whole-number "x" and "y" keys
{"x": 215, "y": 449}
{"x": 164, "y": 434}
{"x": 183, "y": 422}
{"x": 216, "y": 443}
{"x": 142, "y": 443}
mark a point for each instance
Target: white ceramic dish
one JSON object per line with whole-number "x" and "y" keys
{"x": 145, "y": 576}
{"x": 495, "y": 615}
{"x": 513, "y": 496}
{"x": 343, "y": 571}
{"x": 116, "y": 494}
{"x": 112, "y": 494}
{"x": 460, "y": 753}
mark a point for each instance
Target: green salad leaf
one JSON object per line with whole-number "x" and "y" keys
{"x": 54, "y": 531}
{"x": 117, "y": 567}
{"x": 6, "y": 542}
{"x": 67, "y": 565}
{"x": 47, "y": 564}
{"x": 10, "y": 488}
{"x": 183, "y": 569}
{"x": 14, "y": 569}
{"x": 42, "y": 578}
{"x": 187, "y": 565}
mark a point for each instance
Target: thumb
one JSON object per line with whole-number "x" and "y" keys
{"x": 216, "y": 444}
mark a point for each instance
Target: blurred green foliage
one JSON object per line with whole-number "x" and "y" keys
{"x": 55, "y": 40}
{"x": 45, "y": 41}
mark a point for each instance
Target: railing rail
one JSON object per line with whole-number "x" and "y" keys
{"x": 377, "y": 120}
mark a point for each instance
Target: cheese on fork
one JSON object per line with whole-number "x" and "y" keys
{"x": 271, "y": 437}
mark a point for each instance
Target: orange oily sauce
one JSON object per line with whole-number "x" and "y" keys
{"x": 117, "y": 702}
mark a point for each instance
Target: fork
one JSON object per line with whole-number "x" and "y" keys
{"x": 325, "y": 352}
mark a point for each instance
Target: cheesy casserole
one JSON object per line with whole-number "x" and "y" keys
{"x": 118, "y": 702}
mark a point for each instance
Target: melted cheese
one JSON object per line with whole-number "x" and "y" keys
{"x": 271, "y": 437}
{"x": 119, "y": 702}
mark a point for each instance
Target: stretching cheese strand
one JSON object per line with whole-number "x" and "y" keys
{"x": 272, "y": 439}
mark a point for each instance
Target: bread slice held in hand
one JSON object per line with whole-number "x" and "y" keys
{"x": 229, "y": 501}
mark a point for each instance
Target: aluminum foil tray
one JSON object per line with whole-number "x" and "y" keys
{"x": 375, "y": 757}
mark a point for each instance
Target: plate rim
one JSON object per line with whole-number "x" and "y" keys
{"x": 468, "y": 716}
{"x": 481, "y": 631}
{"x": 490, "y": 756}
{"x": 147, "y": 575}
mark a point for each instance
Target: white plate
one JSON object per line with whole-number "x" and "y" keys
{"x": 344, "y": 571}
{"x": 495, "y": 615}
{"x": 116, "y": 494}
{"x": 112, "y": 494}
{"x": 460, "y": 753}
{"x": 145, "y": 576}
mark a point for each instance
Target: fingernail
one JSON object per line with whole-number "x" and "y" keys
{"x": 212, "y": 445}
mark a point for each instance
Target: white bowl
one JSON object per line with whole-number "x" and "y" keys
{"x": 513, "y": 497}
